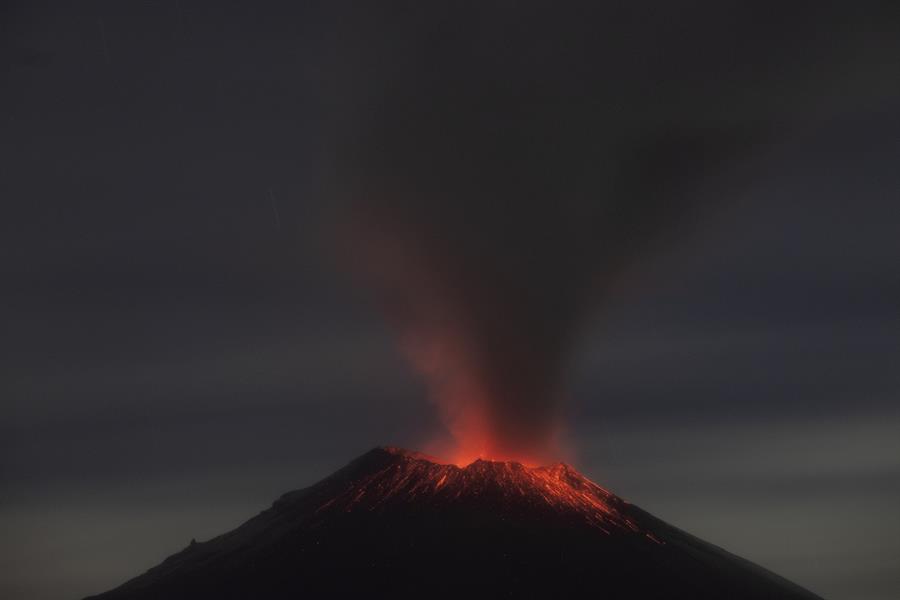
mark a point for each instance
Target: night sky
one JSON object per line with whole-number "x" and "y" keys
{"x": 186, "y": 336}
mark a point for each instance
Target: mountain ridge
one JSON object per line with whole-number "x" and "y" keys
{"x": 395, "y": 522}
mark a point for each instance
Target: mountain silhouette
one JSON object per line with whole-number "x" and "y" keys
{"x": 399, "y": 524}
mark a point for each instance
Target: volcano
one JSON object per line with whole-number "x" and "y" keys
{"x": 399, "y": 524}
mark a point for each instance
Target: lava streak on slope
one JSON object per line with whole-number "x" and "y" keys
{"x": 509, "y": 486}
{"x": 397, "y": 524}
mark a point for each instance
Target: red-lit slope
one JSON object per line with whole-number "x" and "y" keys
{"x": 395, "y": 523}
{"x": 509, "y": 488}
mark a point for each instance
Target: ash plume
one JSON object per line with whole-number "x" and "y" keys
{"x": 503, "y": 164}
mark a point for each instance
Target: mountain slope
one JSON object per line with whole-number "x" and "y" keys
{"x": 400, "y": 524}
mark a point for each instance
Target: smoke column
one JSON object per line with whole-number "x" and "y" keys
{"x": 502, "y": 164}
{"x": 486, "y": 281}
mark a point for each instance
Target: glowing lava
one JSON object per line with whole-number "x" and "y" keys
{"x": 398, "y": 524}
{"x": 408, "y": 476}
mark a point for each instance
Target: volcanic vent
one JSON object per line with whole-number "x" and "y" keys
{"x": 395, "y": 523}
{"x": 505, "y": 489}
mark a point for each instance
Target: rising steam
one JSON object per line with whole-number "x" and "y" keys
{"x": 494, "y": 197}
{"x": 485, "y": 285}
{"x": 503, "y": 165}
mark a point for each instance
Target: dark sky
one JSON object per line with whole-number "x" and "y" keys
{"x": 183, "y": 340}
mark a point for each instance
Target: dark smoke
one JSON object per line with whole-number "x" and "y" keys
{"x": 504, "y": 163}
